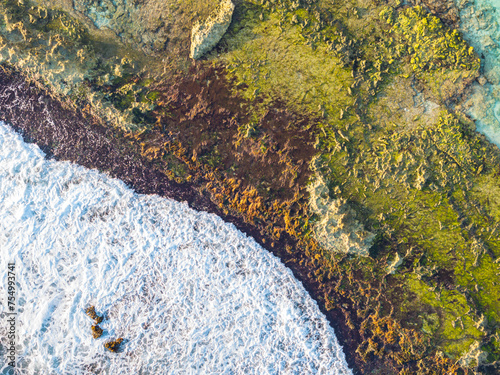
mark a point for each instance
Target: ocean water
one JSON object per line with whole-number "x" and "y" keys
{"x": 480, "y": 27}
{"x": 189, "y": 293}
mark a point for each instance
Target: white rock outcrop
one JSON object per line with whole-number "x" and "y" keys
{"x": 337, "y": 229}
{"x": 206, "y": 34}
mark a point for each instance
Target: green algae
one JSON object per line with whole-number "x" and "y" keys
{"x": 424, "y": 219}
{"x": 259, "y": 55}
{"x": 487, "y": 192}
{"x": 429, "y": 44}
{"x": 398, "y": 169}
{"x": 421, "y": 178}
{"x": 59, "y": 50}
{"x": 452, "y": 327}
{"x": 438, "y": 56}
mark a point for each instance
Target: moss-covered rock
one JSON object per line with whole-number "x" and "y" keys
{"x": 364, "y": 87}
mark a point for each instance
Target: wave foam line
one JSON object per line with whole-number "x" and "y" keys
{"x": 189, "y": 292}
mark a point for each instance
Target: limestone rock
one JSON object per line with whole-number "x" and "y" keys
{"x": 394, "y": 264}
{"x": 337, "y": 229}
{"x": 474, "y": 356}
{"x": 205, "y": 35}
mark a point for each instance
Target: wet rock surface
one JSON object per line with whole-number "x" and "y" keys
{"x": 74, "y": 135}
{"x": 447, "y": 10}
{"x": 154, "y": 27}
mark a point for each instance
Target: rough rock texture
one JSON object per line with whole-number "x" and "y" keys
{"x": 159, "y": 29}
{"x": 394, "y": 264}
{"x": 146, "y": 25}
{"x": 446, "y": 10}
{"x": 57, "y": 49}
{"x": 205, "y": 35}
{"x": 474, "y": 356}
{"x": 415, "y": 174}
{"x": 337, "y": 229}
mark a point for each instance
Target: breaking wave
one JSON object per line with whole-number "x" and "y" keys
{"x": 189, "y": 293}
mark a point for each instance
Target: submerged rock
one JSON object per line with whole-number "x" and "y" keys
{"x": 205, "y": 35}
{"x": 90, "y": 311}
{"x": 337, "y": 229}
{"x": 96, "y": 331}
{"x": 114, "y": 346}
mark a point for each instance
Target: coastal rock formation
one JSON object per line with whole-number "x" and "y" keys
{"x": 337, "y": 229}
{"x": 383, "y": 97}
{"x": 205, "y": 35}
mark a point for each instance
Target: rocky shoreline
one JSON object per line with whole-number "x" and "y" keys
{"x": 308, "y": 120}
{"x": 66, "y": 134}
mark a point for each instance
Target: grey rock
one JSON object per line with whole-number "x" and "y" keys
{"x": 206, "y": 34}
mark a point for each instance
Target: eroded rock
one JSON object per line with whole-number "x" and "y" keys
{"x": 394, "y": 264}
{"x": 474, "y": 356}
{"x": 337, "y": 229}
{"x": 205, "y": 35}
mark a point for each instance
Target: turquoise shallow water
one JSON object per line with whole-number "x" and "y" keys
{"x": 480, "y": 27}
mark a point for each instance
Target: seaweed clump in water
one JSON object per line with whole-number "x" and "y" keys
{"x": 90, "y": 311}
{"x": 114, "y": 346}
{"x": 96, "y": 331}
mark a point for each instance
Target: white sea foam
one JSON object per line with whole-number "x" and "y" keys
{"x": 189, "y": 292}
{"x": 480, "y": 27}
